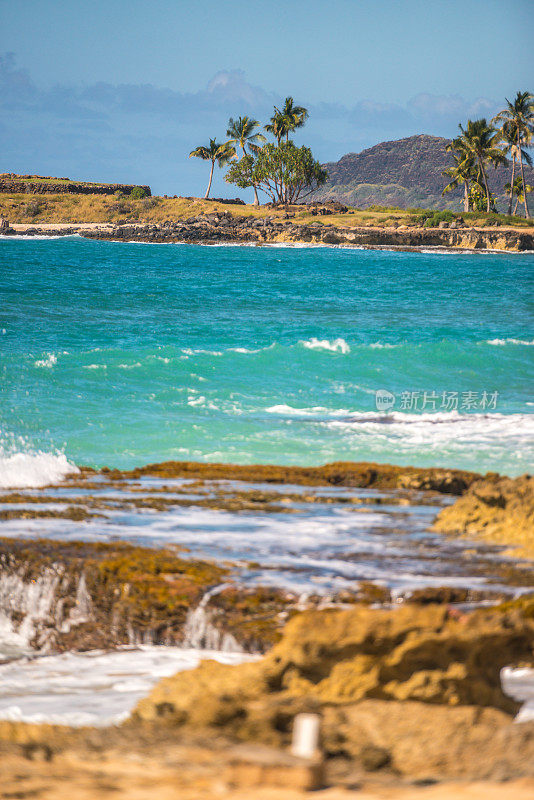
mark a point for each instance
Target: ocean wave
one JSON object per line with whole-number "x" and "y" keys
{"x": 49, "y": 361}
{"x": 33, "y": 470}
{"x": 250, "y": 350}
{"x": 188, "y": 351}
{"x": 282, "y": 408}
{"x": 335, "y": 346}
{"x": 436, "y": 431}
{"x": 503, "y": 342}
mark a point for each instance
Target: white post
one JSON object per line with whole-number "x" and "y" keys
{"x": 305, "y": 742}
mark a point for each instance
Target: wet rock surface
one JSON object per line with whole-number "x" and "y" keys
{"x": 110, "y": 558}
{"x": 405, "y": 694}
{"x": 79, "y": 596}
{"x": 498, "y": 509}
{"x": 341, "y": 473}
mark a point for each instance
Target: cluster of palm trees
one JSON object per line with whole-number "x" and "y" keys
{"x": 483, "y": 143}
{"x": 243, "y": 133}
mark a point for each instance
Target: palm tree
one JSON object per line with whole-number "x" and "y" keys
{"x": 481, "y": 141}
{"x": 520, "y": 114}
{"x": 463, "y": 170}
{"x": 220, "y": 153}
{"x": 277, "y": 125}
{"x": 516, "y": 188}
{"x": 284, "y": 121}
{"x": 294, "y": 116}
{"x": 509, "y": 141}
{"x": 241, "y": 133}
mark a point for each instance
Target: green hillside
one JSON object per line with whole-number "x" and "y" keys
{"x": 405, "y": 173}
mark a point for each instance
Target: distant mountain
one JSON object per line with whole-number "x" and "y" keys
{"x": 404, "y": 173}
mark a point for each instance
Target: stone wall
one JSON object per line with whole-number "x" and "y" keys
{"x": 18, "y": 184}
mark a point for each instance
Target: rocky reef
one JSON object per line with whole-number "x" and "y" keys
{"x": 403, "y": 694}
{"x": 362, "y": 474}
{"x": 498, "y": 509}
{"x": 227, "y": 227}
{"x": 59, "y": 596}
{"x": 335, "y": 657}
{"x": 224, "y": 226}
{"x": 413, "y": 689}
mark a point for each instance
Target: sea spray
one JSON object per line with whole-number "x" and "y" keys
{"x": 201, "y": 634}
{"x": 33, "y": 469}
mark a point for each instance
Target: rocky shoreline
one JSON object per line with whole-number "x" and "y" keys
{"x": 76, "y": 594}
{"x": 408, "y": 693}
{"x": 226, "y": 227}
{"x": 407, "y": 698}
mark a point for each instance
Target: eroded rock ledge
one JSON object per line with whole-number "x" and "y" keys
{"x": 82, "y": 596}
{"x": 227, "y": 227}
{"x": 362, "y": 474}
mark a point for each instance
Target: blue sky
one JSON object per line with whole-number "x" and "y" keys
{"x": 124, "y": 90}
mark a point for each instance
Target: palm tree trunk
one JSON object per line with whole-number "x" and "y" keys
{"x": 256, "y": 198}
{"x": 483, "y": 171}
{"x": 209, "y": 184}
{"x": 511, "y": 186}
{"x": 466, "y": 196}
{"x": 527, "y": 215}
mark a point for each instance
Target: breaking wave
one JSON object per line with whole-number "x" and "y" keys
{"x": 503, "y": 342}
{"x": 33, "y": 470}
{"x": 335, "y": 346}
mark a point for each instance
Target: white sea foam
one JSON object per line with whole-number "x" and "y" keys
{"x": 519, "y": 684}
{"x": 250, "y": 350}
{"x": 435, "y": 431}
{"x": 32, "y": 470}
{"x": 335, "y": 346}
{"x": 196, "y": 401}
{"x": 503, "y": 342}
{"x": 382, "y": 346}
{"x": 282, "y": 408}
{"x": 49, "y": 361}
{"x": 190, "y": 352}
{"x": 92, "y": 688}
{"x": 24, "y": 238}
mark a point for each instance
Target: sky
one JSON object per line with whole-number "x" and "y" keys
{"x": 122, "y": 90}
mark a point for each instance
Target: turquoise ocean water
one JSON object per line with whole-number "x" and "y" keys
{"x": 124, "y": 354}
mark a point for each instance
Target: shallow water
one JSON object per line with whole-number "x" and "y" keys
{"x": 124, "y": 354}
{"x": 310, "y": 540}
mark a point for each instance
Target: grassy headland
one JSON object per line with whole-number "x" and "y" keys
{"x": 36, "y": 209}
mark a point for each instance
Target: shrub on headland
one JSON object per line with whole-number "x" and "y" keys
{"x": 138, "y": 192}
